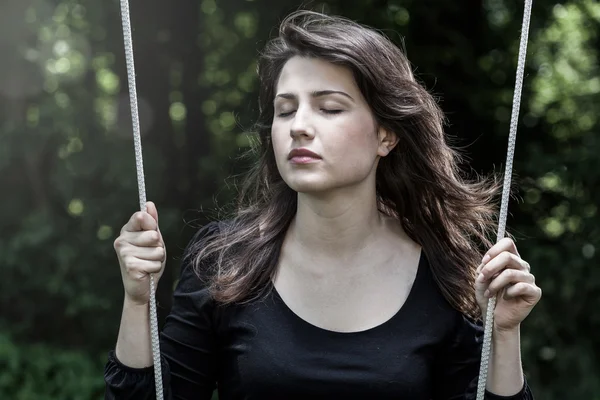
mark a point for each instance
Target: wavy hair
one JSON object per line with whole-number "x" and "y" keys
{"x": 419, "y": 182}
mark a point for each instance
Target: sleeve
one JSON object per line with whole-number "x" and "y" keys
{"x": 188, "y": 345}
{"x": 457, "y": 369}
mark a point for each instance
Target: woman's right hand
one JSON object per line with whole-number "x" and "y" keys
{"x": 141, "y": 252}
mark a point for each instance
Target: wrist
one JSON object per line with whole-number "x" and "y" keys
{"x": 510, "y": 335}
{"x": 135, "y": 304}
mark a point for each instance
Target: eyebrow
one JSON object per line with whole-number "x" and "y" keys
{"x": 317, "y": 93}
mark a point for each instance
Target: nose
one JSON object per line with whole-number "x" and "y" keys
{"x": 301, "y": 125}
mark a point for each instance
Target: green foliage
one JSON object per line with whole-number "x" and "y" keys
{"x": 68, "y": 178}
{"x": 39, "y": 372}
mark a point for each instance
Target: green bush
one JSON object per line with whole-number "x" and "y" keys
{"x": 39, "y": 372}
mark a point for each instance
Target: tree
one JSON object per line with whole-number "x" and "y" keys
{"x": 68, "y": 177}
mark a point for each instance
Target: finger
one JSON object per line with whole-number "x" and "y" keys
{"x": 504, "y": 244}
{"x": 478, "y": 270}
{"x": 151, "y": 209}
{"x": 143, "y": 238}
{"x": 503, "y": 261}
{"x": 140, "y": 221}
{"x": 139, "y": 267}
{"x": 144, "y": 253}
{"x": 525, "y": 290}
{"x": 508, "y": 277}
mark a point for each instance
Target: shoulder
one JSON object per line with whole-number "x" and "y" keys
{"x": 438, "y": 307}
{"x": 193, "y": 290}
{"x": 192, "y": 272}
{"x": 204, "y": 233}
{"x": 431, "y": 288}
{"x": 202, "y": 237}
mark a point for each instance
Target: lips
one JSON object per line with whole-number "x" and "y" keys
{"x": 301, "y": 152}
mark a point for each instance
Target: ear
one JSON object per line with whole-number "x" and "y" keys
{"x": 387, "y": 141}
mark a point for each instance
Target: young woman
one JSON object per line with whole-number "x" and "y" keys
{"x": 353, "y": 267}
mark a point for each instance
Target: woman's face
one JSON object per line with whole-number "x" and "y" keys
{"x": 319, "y": 108}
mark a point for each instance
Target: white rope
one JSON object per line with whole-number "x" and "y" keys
{"x": 512, "y": 138}
{"x": 139, "y": 163}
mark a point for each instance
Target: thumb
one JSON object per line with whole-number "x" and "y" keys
{"x": 481, "y": 285}
{"x": 151, "y": 209}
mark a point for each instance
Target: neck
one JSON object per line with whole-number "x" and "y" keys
{"x": 336, "y": 225}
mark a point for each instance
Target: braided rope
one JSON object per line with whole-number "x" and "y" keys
{"x": 139, "y": 163}
{"x": 512, "y": 138}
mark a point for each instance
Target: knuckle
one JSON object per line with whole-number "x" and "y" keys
{"x": 508, "y": 241}
{"x": 510, "y": 273}
{"x": 518, "y": 261}
{"x": 133, "y": 264}
{"x": 502, "y": 258}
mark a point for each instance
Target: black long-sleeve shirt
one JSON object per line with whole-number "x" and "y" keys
{"x": 263, "y": 351}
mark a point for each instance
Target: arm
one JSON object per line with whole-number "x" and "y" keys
{"x": 189, "y": 342}
{"x": 457, "y": 366}
{"x": 504, "y": 274}
{"x": 133, "y": 344}
{"x": 188, "y": 345}
{"x": 505, "y": 373}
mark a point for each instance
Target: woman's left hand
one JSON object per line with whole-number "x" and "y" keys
{"x": 504, "y": 273}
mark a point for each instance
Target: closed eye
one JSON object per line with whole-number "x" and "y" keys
{"x": 326, "y": 111}
{"x": 286, "y": 114}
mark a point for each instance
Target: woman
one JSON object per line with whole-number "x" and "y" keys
{"x": 352, "y": 268}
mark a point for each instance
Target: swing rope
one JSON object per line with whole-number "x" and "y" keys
{"x": 512, "y": 139}
{"x": 139, "y": 164}
{"x": 485, "y": 354}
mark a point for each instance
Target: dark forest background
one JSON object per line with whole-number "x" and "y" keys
{"x": 67, "y": 171}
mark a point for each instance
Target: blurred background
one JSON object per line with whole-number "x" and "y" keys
{"x": 68, "y": 181}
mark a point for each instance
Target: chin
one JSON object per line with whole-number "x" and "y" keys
{"x": 317, "y": 182}
{"x": 309, "y": 185}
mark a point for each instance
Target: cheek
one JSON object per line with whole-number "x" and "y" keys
{"x": 356, "y": 145}
{"x": 279, "y": 142}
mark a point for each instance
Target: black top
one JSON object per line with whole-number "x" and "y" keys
{"x": 262, "y": 351}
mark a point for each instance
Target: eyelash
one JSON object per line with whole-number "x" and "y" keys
{"x": 330, "y": 112}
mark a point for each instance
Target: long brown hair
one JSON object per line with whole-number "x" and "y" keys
{"x": 419, "y": 182}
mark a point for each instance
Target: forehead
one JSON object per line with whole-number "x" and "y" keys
{"x": 302, "y": 74}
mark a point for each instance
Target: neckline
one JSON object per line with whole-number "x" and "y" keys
{"x": 404, "y": 308}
